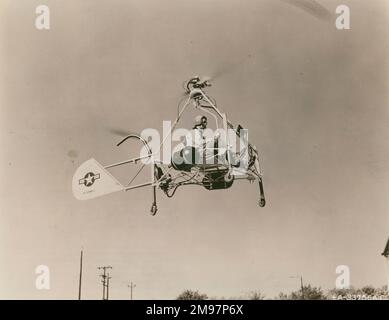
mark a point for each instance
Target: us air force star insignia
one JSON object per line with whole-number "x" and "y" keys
{"x": 89, "y": 179}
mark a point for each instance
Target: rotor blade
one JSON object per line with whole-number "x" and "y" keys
{"x": 312, "y": 7}
{"x": 119, "y": 132}
{"x": 226, "y": 68}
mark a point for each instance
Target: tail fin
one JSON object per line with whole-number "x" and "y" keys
{"x": 91, "y": 180}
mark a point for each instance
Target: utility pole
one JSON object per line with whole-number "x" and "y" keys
{"x": 386, "y": 255}
{"x": 302, "y": 287}
{"x": 105, "y": 280}
{"x": 131, "y": 286}
{"x": 108, "y": 277}
{"x": 301, "y": 284}
{"x": 79, "y": 283}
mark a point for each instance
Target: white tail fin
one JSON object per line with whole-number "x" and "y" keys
{"x": 91, "y": 180}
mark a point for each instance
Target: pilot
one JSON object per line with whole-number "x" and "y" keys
{"x": 195, "y": 138}
{"x": 200, "y": 122}
{"x": 197, "y": 146}
{"x": 193, "y": 143}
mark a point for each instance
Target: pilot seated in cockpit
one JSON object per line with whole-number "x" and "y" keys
{"x": 198, "y": 148}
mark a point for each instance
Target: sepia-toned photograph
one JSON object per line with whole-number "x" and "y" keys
{"x": 214, "y": 150}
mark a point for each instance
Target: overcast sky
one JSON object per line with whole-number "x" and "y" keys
{"x": 314, "y": 99}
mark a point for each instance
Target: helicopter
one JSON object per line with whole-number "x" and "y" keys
{"x": 213, "y": 164}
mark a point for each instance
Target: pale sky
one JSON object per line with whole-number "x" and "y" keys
{"x": 314, "y": 100}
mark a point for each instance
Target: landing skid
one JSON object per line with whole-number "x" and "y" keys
{"x": 262, "y": 201}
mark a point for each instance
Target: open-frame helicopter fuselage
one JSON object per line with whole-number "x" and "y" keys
{"x": 219, "y": 167}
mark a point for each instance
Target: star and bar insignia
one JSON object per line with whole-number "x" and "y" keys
{"x": 89, "y": 179}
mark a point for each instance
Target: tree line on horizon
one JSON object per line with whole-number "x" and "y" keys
{"x": 307, "y": 292}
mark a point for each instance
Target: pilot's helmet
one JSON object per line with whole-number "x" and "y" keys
{"x": 200, "y": 120}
